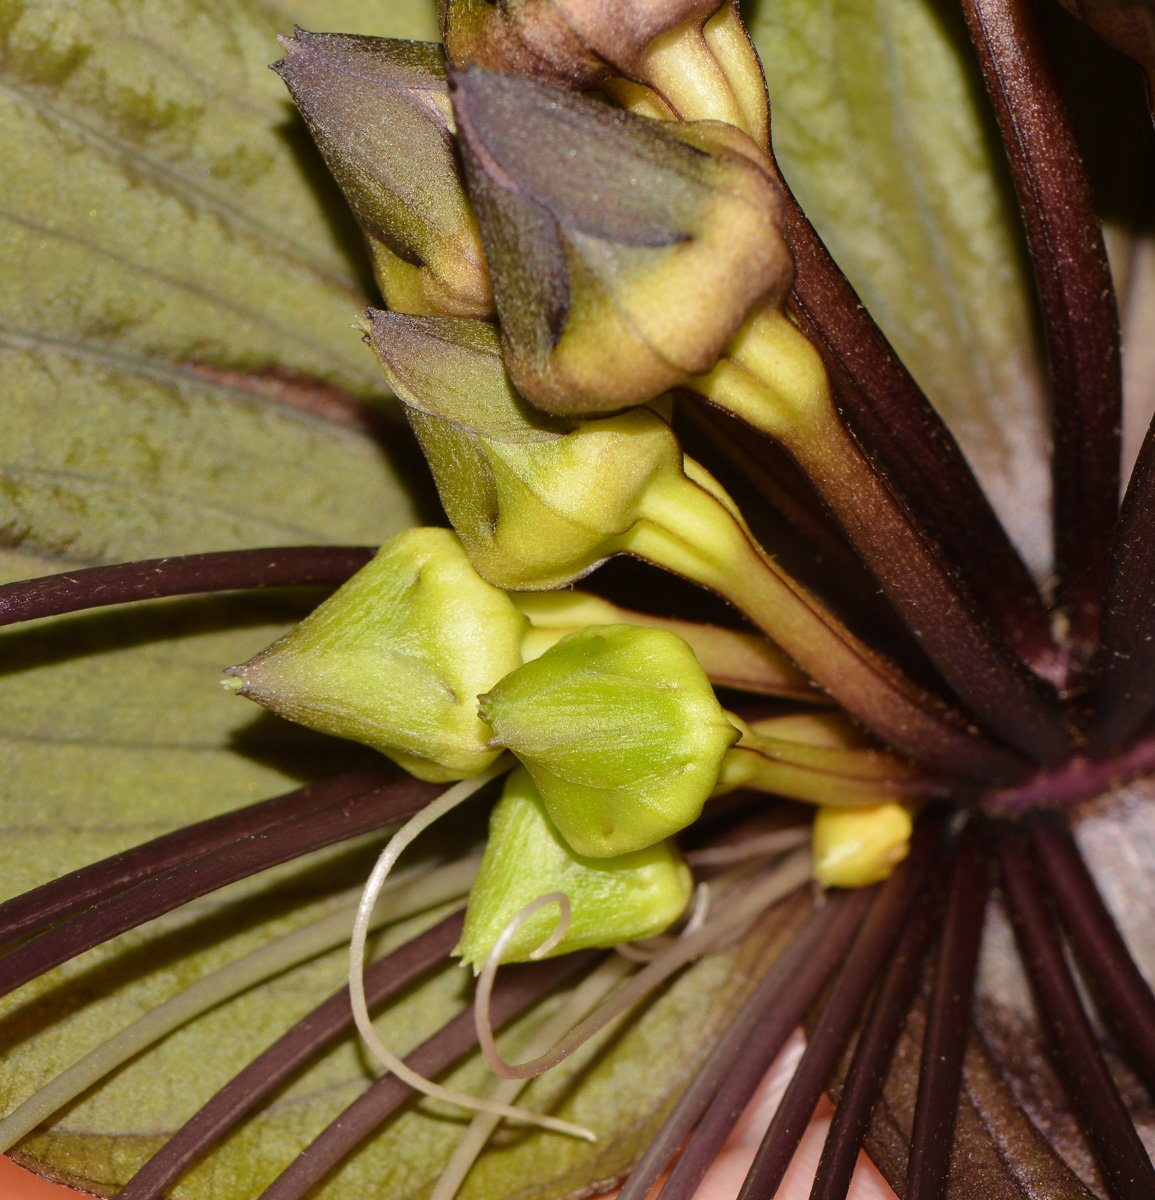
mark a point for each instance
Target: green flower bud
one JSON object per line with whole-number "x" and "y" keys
{"x": 612, "y": 900}
{"x": 621, "y": 731}
{"x": 379, "y": 112}
{"x": 537, "y": 501}
{"x": 624, "y": 252}
{"x": 396, "y": 657}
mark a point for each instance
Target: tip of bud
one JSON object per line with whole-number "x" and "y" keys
{"x": 575, "y": 43}
{"x": 379, "y": 112}
{"x": 526, "y": 36}
{"x": 395, "y": 657}
{"x": 854, "y": 847}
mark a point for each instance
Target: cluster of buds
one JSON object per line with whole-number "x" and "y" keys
{"x": 612, "y": 715}
{"x": 572, "y": 216}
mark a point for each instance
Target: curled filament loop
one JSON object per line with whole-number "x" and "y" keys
{"x": 407, "y": 833}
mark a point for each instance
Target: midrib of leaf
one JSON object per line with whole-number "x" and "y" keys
{"x": 182, "y": 185}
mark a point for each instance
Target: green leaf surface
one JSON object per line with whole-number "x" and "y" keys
{"x": 416, "y": 19}
{"x": 161, "y": 195}
{"x": 105, "y": 457}
{"x": 880, "y": 126}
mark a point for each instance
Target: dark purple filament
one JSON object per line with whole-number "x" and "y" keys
{"x": 948, "y": 1024}
{"x": 720, "y": 1091}
{"x": 282, "y": 843}
{"x": 854, "y": 983}
{"x": 1092, "y": 1091}
{"x": 189, "y": 575}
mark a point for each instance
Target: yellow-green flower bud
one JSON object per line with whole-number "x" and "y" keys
{"x": 854, "y": 847}
{"x": 621, "y": 731}
{"x": 624, "y": 252}
{"x": 536, "y": 500}
{"x": 379, "y": 112}
{"x": 396, "y": 658}
{"x": 612, "y": 900}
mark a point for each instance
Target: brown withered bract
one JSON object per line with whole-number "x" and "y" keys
{"x": 578, "y": 43}
{"x": 625, "y": 252}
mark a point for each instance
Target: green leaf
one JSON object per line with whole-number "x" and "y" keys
{"x": 105, "y": 457}
{"x": 114, "y": 728}
{"x": 162, "y": 196}
{"x": 415, "y": 19}
{"x": 880, "y": 125}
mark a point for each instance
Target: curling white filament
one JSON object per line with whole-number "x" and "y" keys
{"x": 791, "y": 873}
{"x": 493, "y": 961}
{"x": 577, "y": 1005}
{"x": 407, "y": 833}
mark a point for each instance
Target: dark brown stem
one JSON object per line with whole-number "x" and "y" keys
{"x": 872, "y": 1055}
{"x": 281, "y": 843}
{"x": 227, "y": 570}
{"x": 1080, "y": 321}
{"x": 948, "y": 1025}
{"x": 1126, "y": 1167}
{"x": 735, "y": 1067}
{"x": 43, "y": 906}
{"x": 841, "y": 1012}
{"x": 310, "y": 1036}
{"x": 991, "y": 682}
{"x": 1116, "y": 978}
{"x": 910, "y": 441}
{"x": 516, "y": 990}
{"x": 1126, "y": 693}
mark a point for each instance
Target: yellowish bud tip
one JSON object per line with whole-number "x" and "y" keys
{"x": 854, "y": 847}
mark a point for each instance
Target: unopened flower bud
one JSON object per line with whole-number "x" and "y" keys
{"x": 536, "y": 500}
{"x": 396, "y": 657}
{"x": 621, "y": 731}
{"x": 612, "y": 900}
{"x": 624, "y": 252}
{"x": 854, "y": 847}
{"x": 379, "y": 112}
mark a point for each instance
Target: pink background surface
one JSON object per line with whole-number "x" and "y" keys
{"x": 18, "y": 1184}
